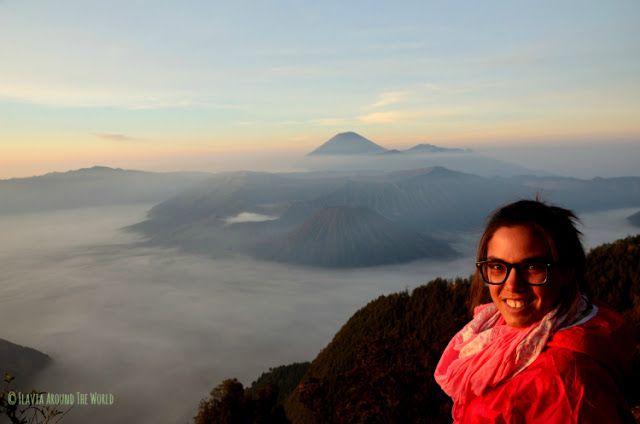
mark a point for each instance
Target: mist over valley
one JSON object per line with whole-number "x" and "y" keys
{"x": 150, "y": 324}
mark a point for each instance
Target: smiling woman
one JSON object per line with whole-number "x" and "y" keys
{"x": 522, "y": 297}
{"x": 540, "y": 350}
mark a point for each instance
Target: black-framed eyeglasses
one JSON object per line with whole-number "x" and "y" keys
{"x": 496, "y": 272}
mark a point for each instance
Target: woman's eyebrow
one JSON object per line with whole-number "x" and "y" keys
{"x": 540, "y": 258}
{"x": 537, "y": 259}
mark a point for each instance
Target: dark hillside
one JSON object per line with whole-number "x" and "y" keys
{"x": 613, "y": 275}
{"x": 286, "y": 377}
{"x": 22, "y": 362}
{"x": 379, "y": 366}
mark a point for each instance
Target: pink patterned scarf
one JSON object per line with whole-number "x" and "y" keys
{"x": 487, "y": 352}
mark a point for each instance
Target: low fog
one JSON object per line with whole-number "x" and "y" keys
{"x": 159, "y": 328}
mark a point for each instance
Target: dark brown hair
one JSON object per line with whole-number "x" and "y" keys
{"x": 558, "y": 226}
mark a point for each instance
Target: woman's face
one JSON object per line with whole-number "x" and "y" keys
{"x": 519, "y": 303}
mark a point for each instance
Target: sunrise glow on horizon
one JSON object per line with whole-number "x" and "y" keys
{"x": 193, "y": 85}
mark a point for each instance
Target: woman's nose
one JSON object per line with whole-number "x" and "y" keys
{"x": 514, "y": 282}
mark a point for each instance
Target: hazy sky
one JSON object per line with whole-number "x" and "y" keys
{"x": 165, "y": 85}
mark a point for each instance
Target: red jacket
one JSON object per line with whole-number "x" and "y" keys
{"x": 576, "y": 379}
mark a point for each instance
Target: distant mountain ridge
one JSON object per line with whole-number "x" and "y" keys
{"x": 96, "y": 170}
{"x": 352, "y": 143}
{"x": 430, "y": 148}
{"x": 89, "y": 187}
{"x": 350, "y": 151}
{"x": 347, "y": 221}
{"x": 432, "y": 202}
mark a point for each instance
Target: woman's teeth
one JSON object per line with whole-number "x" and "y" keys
{"x": 515, "y": 304}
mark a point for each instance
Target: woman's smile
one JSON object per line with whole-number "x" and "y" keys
{"x": 517, "y": 304}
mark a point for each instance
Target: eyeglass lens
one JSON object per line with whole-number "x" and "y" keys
{"x": 498, "y": 272}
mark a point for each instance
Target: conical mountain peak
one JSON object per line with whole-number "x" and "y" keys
{"x": 348, "y": 143}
